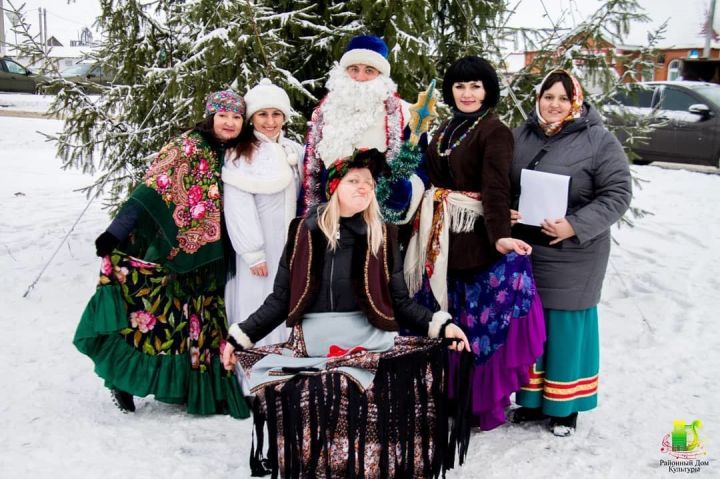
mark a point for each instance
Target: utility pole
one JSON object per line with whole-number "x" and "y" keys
{"x": 45, "y": 45}
{"x": 2, "y": 29}
{"x": 709, "y": 31}
{"x": 40, "y": 24}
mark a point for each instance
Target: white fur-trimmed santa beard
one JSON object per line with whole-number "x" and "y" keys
{"x": 350, "y": 109}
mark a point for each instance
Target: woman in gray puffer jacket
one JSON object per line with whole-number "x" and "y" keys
{"x": 566, "y": 136}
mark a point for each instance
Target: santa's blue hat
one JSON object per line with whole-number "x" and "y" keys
{"x": 367, "y": 50}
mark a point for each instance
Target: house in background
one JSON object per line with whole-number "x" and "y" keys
{"x": 672, "y": 62}
{"x": 53, "y": 42}
{"x": 62, "y": 57}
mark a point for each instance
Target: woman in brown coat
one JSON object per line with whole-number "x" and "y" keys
{"x": 461, "y": 257}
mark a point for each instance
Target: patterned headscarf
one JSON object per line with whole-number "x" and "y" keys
{"x": 364, "y": 158}
{"x": 576, "y": 106}
{"x": 226, "y": 100}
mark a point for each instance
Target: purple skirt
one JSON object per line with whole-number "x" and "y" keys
{"x": 502, "y": 316}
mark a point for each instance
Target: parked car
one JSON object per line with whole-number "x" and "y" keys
{"x": 87, "y": 75}
{"x": 687, "y": 114}
{"x": 16, "y": 78}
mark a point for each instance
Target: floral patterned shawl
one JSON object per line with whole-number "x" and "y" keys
{"x": 182, "y": 194}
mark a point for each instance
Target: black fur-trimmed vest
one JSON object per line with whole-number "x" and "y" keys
{"x": 371, "y": 274}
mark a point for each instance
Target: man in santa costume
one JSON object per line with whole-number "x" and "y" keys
{"x": 363, "y": 110}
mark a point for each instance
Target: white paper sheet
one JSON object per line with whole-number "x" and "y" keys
{"x": 542, "y": 195}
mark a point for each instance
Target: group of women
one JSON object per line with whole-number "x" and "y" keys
{"x": 316, "y": 303}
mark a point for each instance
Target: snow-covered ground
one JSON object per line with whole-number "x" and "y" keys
{"x": 660, "y": 346}
{"x": 25, "y": 102}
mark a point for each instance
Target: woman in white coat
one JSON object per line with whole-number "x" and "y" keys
{"x": 261, "y": 184}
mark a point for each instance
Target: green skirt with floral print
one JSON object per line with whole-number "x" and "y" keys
{"x": 151, "y": 331}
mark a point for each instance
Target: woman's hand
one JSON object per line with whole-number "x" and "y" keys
{"x": 228, "y": 357}
{"x": 514, "y": 217}
{"x": 259, "y": 269}
{"x": 507, "y": 245}
{"x": 560, "y": 229}
{"x": 453, "y": 331}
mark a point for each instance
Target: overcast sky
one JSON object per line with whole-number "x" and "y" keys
{"x": 66, "y": 18}
{"x": 683, "y": 26}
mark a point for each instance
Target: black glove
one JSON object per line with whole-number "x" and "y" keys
{"x": 235, "y": 344}
{"x": 443, "y": 328}
{"x": 105, "y": 244}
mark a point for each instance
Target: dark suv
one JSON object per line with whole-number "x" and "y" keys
{"x": 687, "y": 114}
{"x": 15, "y": 77}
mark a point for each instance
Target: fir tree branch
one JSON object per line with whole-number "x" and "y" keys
{"x": 251, "y": 15}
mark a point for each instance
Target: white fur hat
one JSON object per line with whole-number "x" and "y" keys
{"x": 367, "y": 50}
{"x": 267, "y": 95}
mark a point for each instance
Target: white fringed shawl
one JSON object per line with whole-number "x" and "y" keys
{"x": 458, "y": 213}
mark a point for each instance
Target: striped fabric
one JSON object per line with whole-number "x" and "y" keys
{"x": 565, "y": 379}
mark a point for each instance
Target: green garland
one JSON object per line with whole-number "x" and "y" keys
{"x": 401, "y": 168}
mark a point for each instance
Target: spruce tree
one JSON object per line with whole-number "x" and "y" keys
{"x": 167, "y": 55}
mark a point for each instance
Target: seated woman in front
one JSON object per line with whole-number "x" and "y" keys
{"x": 346, "y": 396}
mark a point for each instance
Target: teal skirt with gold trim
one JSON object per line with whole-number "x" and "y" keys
{"x": 564, "y": 379}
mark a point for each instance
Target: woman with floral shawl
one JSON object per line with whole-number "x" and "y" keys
{"x": 156, "y": 323}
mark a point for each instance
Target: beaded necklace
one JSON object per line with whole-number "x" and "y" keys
{"x": 451, "y": 147}
{"x": 450, "y": 138}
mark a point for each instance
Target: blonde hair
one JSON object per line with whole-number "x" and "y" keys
{"x": 329, "y": 222}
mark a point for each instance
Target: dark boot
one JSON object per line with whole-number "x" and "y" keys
{"x": 564, "y": 426}
{"x": 525, "y": 414}
{"x": 123, "y": 400}
{"x": 260, "y": 468}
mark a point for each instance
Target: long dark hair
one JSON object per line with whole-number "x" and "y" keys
{"x": 246, "y": 142}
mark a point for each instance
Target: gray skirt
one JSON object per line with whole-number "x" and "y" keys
{"x": 325, "y": 335}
